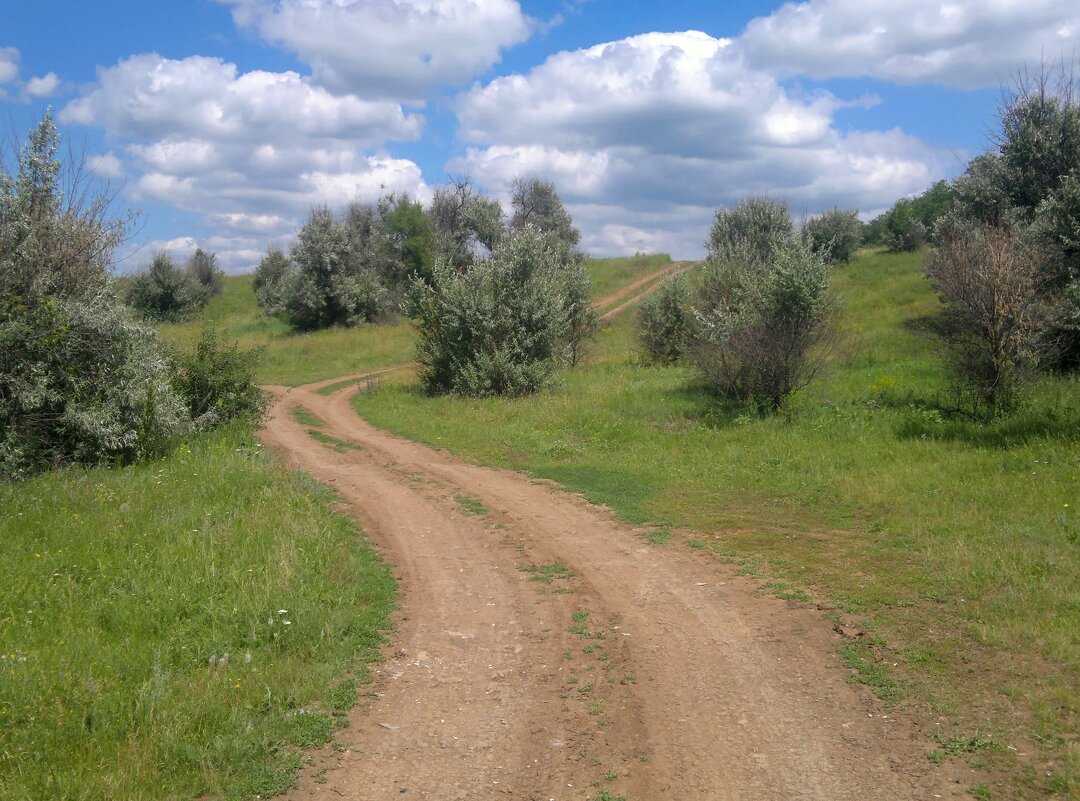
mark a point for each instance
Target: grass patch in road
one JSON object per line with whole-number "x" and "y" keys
{"x": 471, "y": 507}
{"x": 178, "y": 629}
{"x": 339, "y": 445}
{"x": 547, "y": 573}
{"x": 305, "y": 418}
{"x": 949, "y": 539}
{"x": 657, "y": 536}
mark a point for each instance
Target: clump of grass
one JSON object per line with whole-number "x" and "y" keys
{"x": 871, "y": 671}
{"x": 471, "y": 507}
{"x": 657, "y": 536}
{"x": 211, "y": 607}
{"x": 339, "y": 445}
{"x": 305, "y": 418}
{"x": 547, "y": 573}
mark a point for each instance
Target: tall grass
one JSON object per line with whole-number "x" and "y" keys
{"x": 957, "y": 546}
{"x": 178, "y": 629}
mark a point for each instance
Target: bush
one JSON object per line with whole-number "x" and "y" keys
{"x": 535, "y": 203}
{"x": 835, "y": 235}
{"x": 203, "y": 267}
{"x": 165, "y": 293}
{"x": 904, "y": 232}
{"x": 81, "y": 383}
{"x": 270, "y": 281}
{"x": 330, "y": 284}
{"x": 218, "y": 383}
{"x": 911, "y": 221}
{"x": 756, "y": 227}
{"x": 763, "y": 325}
{"x": 664, "y": 322}
{"x": 992, "y": 283}
{"x": 499, "y": 327}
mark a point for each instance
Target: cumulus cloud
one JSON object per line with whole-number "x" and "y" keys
{"x": 249, "y": 153}
{"x": 9, "y": 64}
{"x": 960, "y": 43}
{"x": 389, "y": 48}
{"x": 43, "y": 86}
{"x": 647, "y": 135}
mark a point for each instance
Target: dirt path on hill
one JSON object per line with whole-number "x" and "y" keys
{"x": 633, "y": 293}
{"x": 543, "y": 650}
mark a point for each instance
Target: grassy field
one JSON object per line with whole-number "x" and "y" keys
{"x": 956, "y": 547}
{"x": 180, "y": 629}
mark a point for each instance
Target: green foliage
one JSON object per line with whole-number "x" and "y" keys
{"x": 664, "y": 322}
{"x": 410, "y": 239}
{"x": 464, "y": 220}
{"x": 166, "y": 293}
{"x": 757, "y": 227}
{"x": 218, "y": 383}
{"x": 498, "y": 328}
{"x": 835, "y": 235}
{"x": 270, "y": 281}
{"x": 203, "y": 266}
{"x": 81, "y": 383}
{"x": 905, "y": 232}
{"x": 908, "y": 225}
{"x": 331, "y": 285}
{"x": 145, "y": 651}
{"x": 763, "y": 312}
{"x": 536, "y": 203}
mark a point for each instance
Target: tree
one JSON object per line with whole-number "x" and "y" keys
{"x": 764, "y": 312}
{"x": 664, "y": 322}
{"x": 499, "y": 327}
{"x": 410, "y": 238}
{"x": 166, "y": 293}
{"x": 992, "y": 281}
{"x": 271, "y": 278}
{"x": 834, "y": 235}
{"x": 536, "y": 203}
{"x": 80, "y": 381}
{"x": 203, "y": 266}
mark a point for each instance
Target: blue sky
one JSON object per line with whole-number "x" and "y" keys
{"x": 223, "y": 121}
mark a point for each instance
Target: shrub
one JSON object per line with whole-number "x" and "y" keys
{"x": 904, "y": 231}
{"x": 329, "y": 285}
{"x": 165, "y": 293}
{"x": 762, "y": 324}
{"x": 270, "y": 281}
{"x": 218, "y": 383}
{"x": 756, "y": 227}
{"x": 911, "y": 221}
{"x": 582, "y": 319}
{"x": 664, "y": 322}
{"x": 835, "y": 235}
{"x": 991, "y": 280}
{"x": 536, "y": 203}
{"x": 410, "y": 239}
{"x": 499, "y": 327}
{"x": 203, "y": 267}
{"x": 81, "y": 383}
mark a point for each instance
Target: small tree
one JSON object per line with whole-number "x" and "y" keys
{"x": 763, "y": 324}
{"x": 991, "y": 280}
{"x": 664, "y": 322}
{"x": 536, "y": 203}
{"x": 757, "y": 228}
{"x": 218, "y": 382}
{"x": 270, "y": 280}
{"x": 203, "y": 266}
{"x": 835, "y": 235}
{"x": 582, "y": 319}
{"x": 410, "y": 239}
{"x": 166, "y": 293}
{"x": 498, "y": 328}
{"x": 905, "y": 232}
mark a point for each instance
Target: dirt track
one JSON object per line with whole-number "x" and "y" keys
{"x": 682, "y": 681}
{"x": 632, "y": 293}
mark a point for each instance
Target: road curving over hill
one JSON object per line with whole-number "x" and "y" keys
{"x": 544, "y": 650}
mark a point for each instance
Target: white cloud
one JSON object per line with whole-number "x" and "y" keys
{"x": 106, "y": 166}
{"x": 962, "y": 43}
{"x": 43, "y": 86}
{"x": 248, "y": 153}
{"x": 9, "y": 64}
{"x": 646, "y": 136}
{"x": 389, "y": 48}
{"x": 151, "y": 96}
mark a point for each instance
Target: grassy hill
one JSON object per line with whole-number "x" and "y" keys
{"x": 955, "y": 547}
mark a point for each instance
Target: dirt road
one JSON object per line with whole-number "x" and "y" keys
{"x": 635, "y": 292}
{"x": 544, "y": 650}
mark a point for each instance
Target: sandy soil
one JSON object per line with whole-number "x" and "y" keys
{"x": 651, "y": 672}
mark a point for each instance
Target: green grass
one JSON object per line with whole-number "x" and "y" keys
{"x": 955, "y": 544}
{"x": 339, "y": 445}
{"x": 293, "y": 359}
{"x": 305, "y": 418}
{"x": 471, "y": 507}
{"x": 124, "y": 590}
